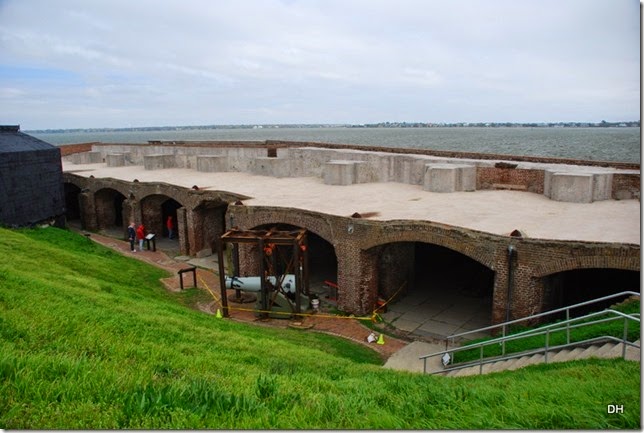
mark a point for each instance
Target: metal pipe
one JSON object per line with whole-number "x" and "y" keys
{"x": 511, "y": 253}
{"x": 262, "y": 280}
{"x": 625, "y": 335}
{"x": 235, "y": 270}
{"x": 298, "y": 279}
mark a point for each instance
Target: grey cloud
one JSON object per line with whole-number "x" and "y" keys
{"x": 261, "y": 61}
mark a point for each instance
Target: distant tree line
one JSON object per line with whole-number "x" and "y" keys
{"x": 602, "y": 124}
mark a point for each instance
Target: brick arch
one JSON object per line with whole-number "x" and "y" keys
{"x": 102, "y": 189}
{"x": 95, "y": 185}
{"x": 121, "y": 187}
{"x": 313, "y": 223}
{"x": 144, "y": 192}
{"x": 471, "y": 249}
{"x": 597, "y": 262}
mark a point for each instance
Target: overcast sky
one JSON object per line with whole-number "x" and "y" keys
{"x": 122, "y": 63}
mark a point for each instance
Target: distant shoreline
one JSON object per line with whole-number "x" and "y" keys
{"x": 602, "y": 124}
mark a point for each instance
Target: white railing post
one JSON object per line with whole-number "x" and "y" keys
{"x": 547, "y": 345}
{"x": 567, "y": 325}
{"x": 481, "y": 362}
{"x": 625, "y": 337}
{"x": 503, "y": 342}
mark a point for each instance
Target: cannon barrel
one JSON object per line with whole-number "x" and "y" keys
{"x": 254, "y": 284}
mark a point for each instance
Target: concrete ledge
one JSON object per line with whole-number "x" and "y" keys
{"x": 266, "y": 166}
{"x": 449, "y": 178}
{"x": 212, "y": 163}
{"x": 158, "y": 162}
{"x": 115, "y": 159}
{"x": 340, "y": 172}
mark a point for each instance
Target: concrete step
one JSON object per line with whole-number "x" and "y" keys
{"x": 606, "y": 350}
{"x": 467, "y": 371}
{"x": 559, "y": 356}
{"x": 590, "y": 352}
{"x": 632, "y": 353}
{"x": 526, "y": 360}
{"x": 497, "y": 366}
{"x": 575, "y": 352}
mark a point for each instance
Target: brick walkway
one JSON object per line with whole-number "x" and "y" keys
{"x": 343, "y": 327}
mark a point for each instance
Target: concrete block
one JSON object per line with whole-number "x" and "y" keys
{"x": 363, "y": 173}
{"x": 242, "y": 159}
{"x": 449, "y": 178}
{"x": 93, "y": 157}
{"x": 115, "y": 159}
{"x": 440, "y": 178}
{"x": 339, "y": 172}
{"x": 276, "y": 167}
{"x": 569, "y": 187}
{"x": 602, "y": 186}
{"x": 212, "y": 163}
{"x": 468, "y": 177}
{"x": 158, "y": 161}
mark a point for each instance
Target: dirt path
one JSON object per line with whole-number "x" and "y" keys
{"x": 339, "y": 326}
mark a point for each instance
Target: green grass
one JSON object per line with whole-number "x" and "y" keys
{"x": 89, "y": 339}
{"x": 614, "y": 328}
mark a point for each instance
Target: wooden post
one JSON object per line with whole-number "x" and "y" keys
{"x": 222, "y": 277}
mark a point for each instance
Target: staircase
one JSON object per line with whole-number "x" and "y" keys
{"x": 606, "y": 350}
{"x": 554, "y": 349}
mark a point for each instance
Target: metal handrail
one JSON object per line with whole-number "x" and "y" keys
{"x": 545, "y": 313}
{"x": 547, "y": 330}
{"x": 538, "y": 351}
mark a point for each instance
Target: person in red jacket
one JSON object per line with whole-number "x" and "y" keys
{"x": 140, "y": 236}
{"x": 170, "y": 225}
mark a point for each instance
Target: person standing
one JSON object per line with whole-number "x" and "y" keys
{"x": 170, "y": 225}
{"x": 140, "y": 235}
{"x": 131, "y": 235}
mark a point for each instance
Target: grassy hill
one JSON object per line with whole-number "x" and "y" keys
{"x": 89, "y": 339}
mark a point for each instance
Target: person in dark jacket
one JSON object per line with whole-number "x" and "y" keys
{"x": 131, "y": 235}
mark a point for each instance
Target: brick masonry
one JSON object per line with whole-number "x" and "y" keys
{"x": 364, "y": 247}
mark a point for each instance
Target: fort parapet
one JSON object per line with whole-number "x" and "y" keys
{"x": 381, "y": 219}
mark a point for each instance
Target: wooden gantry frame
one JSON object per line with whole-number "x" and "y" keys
{"x": 266, "y": 242}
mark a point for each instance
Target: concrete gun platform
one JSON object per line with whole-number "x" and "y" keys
{"x": 492, "y": 211}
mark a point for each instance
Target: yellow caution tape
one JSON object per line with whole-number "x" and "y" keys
{"x": 375, "y": 317}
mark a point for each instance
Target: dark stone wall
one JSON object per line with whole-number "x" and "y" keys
{"x": 31, "y": 187}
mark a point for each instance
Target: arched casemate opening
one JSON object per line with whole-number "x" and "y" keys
{"x": 155, "y": 210}
{"x": 434, "y": 291}
{"x": 575, "y": 286}
{"x": 109, "y": 209}
{"x": 322, "y": 262}
{"x": 72, "y": 205}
